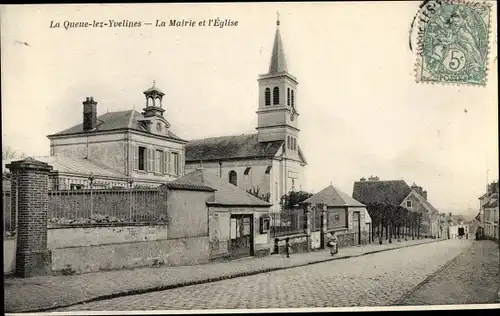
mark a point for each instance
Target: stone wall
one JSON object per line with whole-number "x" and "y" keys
{"x": 9, "y": 255}
{"x": 91, "y": 249}
{"x": 299, "y": 243}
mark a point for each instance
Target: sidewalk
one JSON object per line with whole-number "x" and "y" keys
{"x": 49, "y": 292}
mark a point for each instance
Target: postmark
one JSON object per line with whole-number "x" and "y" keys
{"x": 453, "y": 42}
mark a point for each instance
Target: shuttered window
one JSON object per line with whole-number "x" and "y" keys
{"x": 165, "y": 161}
{"x": 135, "y": 154}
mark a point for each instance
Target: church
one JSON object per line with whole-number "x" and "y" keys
{"x": 130, "y": 148}
{"x": 270, "y": 161}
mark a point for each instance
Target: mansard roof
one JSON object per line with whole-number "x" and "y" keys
{"x": 111, "y": 121}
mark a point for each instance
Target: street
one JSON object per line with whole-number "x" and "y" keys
{"x": 372, "y": 280}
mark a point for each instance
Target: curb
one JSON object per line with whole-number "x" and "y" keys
{"x": 207, "y": 280}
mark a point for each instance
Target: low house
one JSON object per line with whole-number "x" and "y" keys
{"x": 238, "y": 221}
{"x": 399, "y": 193}
{"x": 458, "y": 227}
{"x": 344, "y": 215}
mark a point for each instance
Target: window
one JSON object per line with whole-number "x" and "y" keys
{"x": 174, "y": 163}
{"x": 159, "y": 156}
{"x": 408, "y": 204}
{"x": 268, "y": 169}
{"x": 289, "y": 142}
{"x": 142, "y": 156}
{"x": 247, "y": 171}
{"x": 294, "y": 143}
{"x": 233, "y": 177}
{"x": 76, "y": 186}
{"x": 288, "y": 96}
{"x": 292, "y": 98}
{"x": 276, "y": 96}
{"x": 267, "y": 96}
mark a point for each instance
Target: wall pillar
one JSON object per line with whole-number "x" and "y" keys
{"x": 32, "y": 256}
{"x": 307, "y": 224}
{"x": 323, "y": 227}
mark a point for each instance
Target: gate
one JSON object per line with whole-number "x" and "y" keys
{"x": 241, "y": 236}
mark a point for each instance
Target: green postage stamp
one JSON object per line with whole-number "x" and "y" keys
{"x": 453, "y": 42}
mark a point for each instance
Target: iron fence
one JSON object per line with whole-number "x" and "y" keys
{"x": 315, "y": 220}
{"x": 287, "y": 222}
{"x": 98, "y": 201}
{"x": 9, "y": 203}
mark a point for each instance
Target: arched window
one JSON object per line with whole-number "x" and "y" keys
{"x": 267, "y": 96}
{"x": 288, "y": 96}
{"x": 292, "y": 98}
{"x": 276, "y": 96}
{"x": 233, "y": 178}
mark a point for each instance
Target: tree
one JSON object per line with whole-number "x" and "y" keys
{"x": 288, "y": 201}
{"x": 255, "y": 191}
{"x": 8, "y": 153}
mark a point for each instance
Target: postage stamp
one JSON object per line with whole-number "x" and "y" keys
{"x": 453, "y": 42}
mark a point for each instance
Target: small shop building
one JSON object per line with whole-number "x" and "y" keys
{"x": 238, "y": 221}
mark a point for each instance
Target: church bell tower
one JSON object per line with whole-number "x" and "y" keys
{"x": 277, "y": 112}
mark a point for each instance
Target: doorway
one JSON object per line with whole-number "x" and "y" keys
{"x": 241, "y": 235}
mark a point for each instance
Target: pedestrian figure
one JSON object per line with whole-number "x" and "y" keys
{"x": 288, "y": 248}
{"x": 332, "y": 243}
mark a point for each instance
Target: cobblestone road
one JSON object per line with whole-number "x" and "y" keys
{"x": 472, "y": 278}
{"x": 372, "y": 280}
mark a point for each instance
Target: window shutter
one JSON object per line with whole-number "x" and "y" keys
{"x": 153, "y": 158}
{"x": 150, "y": 163}
{"x": 135, "y": 152}
{"x": 165, "y": 162}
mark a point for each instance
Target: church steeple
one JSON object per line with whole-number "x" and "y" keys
{"x": 278, "y": 60}
{"x": 277, "y": 112}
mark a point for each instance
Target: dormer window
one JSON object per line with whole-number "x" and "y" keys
{"x": 409, "y": 204}
{"x": 159, "y": 127}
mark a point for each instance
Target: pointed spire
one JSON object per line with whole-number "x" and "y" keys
{"x": 278, "y": 60}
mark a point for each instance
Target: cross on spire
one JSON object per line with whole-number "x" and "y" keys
{"x": 277, "y": 18}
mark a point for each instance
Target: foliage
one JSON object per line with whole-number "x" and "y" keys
{"x": 288, "y": 201}
{"x": 393, "y": 216}
{"x": 8, "y": 153}
{"x": 255, "y": 191}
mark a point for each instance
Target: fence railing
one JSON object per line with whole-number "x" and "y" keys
{"x": 287, "y": 222}
{"x": 9, "y": 203}
{"x": 96, "y": 201}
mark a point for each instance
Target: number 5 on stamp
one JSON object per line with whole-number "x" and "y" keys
{"x": 454, "y": 42}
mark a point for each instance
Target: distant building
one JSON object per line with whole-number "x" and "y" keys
{"x": 399, "y": 193}
{"x": 458, "y": 228}
{"x": 489, "y": 211}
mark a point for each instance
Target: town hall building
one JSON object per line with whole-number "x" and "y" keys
{"x": 271, "y": 160}
{"x": 126, "y": 148}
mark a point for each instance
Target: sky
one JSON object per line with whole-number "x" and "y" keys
{"x": 361, "y": 112}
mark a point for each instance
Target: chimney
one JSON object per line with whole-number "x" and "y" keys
{"x": 89, "y": 114}
{"x": 372, "y": 178}
{"x": 362, "y": 179}
{"x": 424, "y": 194}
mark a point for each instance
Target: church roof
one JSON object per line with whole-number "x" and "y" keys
{"x": 332, "y": 196}
{"x": 226, "y": 194}
{"x": 278, "y": 60}
{"x": 115, "y": 121}
{"x": 389, "y": 192}
{"x": 230, "y": 147}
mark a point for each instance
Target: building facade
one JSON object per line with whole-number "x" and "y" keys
{"x": 130, "y": 145}
{"x": 270, "y": 160}
{"x": 489, "y": 211}
{"x": 399, "y": 193}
